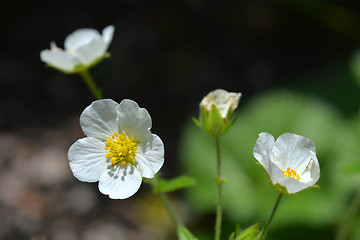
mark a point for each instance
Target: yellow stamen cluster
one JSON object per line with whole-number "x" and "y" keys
{"x": 289, "y": 172}
{"x": 121, "y": 149}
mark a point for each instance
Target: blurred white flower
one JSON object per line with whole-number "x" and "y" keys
{"x": 83, "y": 49}
{"x": 224, "y": 101}
{"x": 119, "y": 148}
{"x": 290, "y": 161}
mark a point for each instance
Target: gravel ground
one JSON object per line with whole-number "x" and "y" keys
{"x": 41, "y": 199}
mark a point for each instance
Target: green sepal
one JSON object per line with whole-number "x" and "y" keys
{"x": 184, "y": 234}
{"x": 215, "y": 123}
{"x": 174, "y": 184}
{"x": 282, "y": 189}
{"x": 313, "y": 186}
{"x": 212, "y": 121}
{"x": 251, "y": 233}
{"x": 197, "y": 122}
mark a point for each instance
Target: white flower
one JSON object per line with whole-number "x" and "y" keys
{"x": 119, "y": 148}
{"x": 222, "y": 100}
{"x": 83, "y": 49}
{"x": 290, "y": 161}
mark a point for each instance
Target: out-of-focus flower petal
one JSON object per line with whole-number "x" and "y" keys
{"x": 59, "y": 59}
{"x": 80, "y": 38}
{"x": 91, "y": 51}
{"x": 108, "y": 34}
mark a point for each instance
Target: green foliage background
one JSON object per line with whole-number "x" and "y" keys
{"x": 248, "y": 196}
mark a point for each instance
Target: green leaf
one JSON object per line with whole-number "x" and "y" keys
{"x": 237, "y": 232}
{"x": 232, "y": 236}
{"x": 251, "y": 233}
{"x": 184, "y": 234}
{"x": 174, "y": 184}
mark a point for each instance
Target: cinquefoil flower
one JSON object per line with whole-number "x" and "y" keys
{"x": 216, "y": 111}
{"x": 290, "y": 161}
{"x": 119, "y": 148}
{"x": 83, "y": 49}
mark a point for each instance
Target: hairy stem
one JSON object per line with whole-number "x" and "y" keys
{"x": 164, "y": 198}
{"x": 219, "y": 181}
{"x": 266, "y": 228}
{"x": 169, "y": 209}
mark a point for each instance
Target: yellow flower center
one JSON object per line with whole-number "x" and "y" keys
{"x": 289, "y": 172}
{"x": 121, "y": 149}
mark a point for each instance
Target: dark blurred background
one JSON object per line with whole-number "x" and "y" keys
{"x": 166, "y": 55}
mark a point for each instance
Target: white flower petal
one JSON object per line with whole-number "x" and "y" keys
{"x": 79, "y": 38}
{"x": 311, "y": 174}
{"x": 59, "y": 59}
{"x": 99, "y": 119}
{"x": 292, "y": 150}
{"x": 291, "y": 184}
{"x": 87, "y": 159}
{"x": 294, "y": 186}
{"x": 275, "y": 173}
{"x": 120, "y": 182}
{"x": 133, "y": 120}
{"x": 54, "y": 47}
{"x": 91, "y": 51}
{"x": 149, "y": 157}
{"x": 262, "y": 149}
{"x": 107, "y": 34}
{"x": 222, "y": 99}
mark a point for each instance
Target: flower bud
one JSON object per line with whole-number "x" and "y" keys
{"x": 216, "y": 111}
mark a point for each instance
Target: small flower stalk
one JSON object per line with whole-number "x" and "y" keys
{"x": 216, "y": 111}
{"x": 290, "y": 161}
{"x": 84, "y": 48}
{"x": 119, "y": 148}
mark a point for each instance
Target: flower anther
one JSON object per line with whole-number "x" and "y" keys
{"x": 121, "y": 149}
{"x": 289, "y": 172}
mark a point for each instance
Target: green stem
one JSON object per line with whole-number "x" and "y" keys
{"x": 89, "y": 81}
{"x": 169, "y": 209}
{"x": 219, "y": 181}
{"x": 164, "y": 198}
{"x": 266, "y": 228}
{"x": 344, "y": 227}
